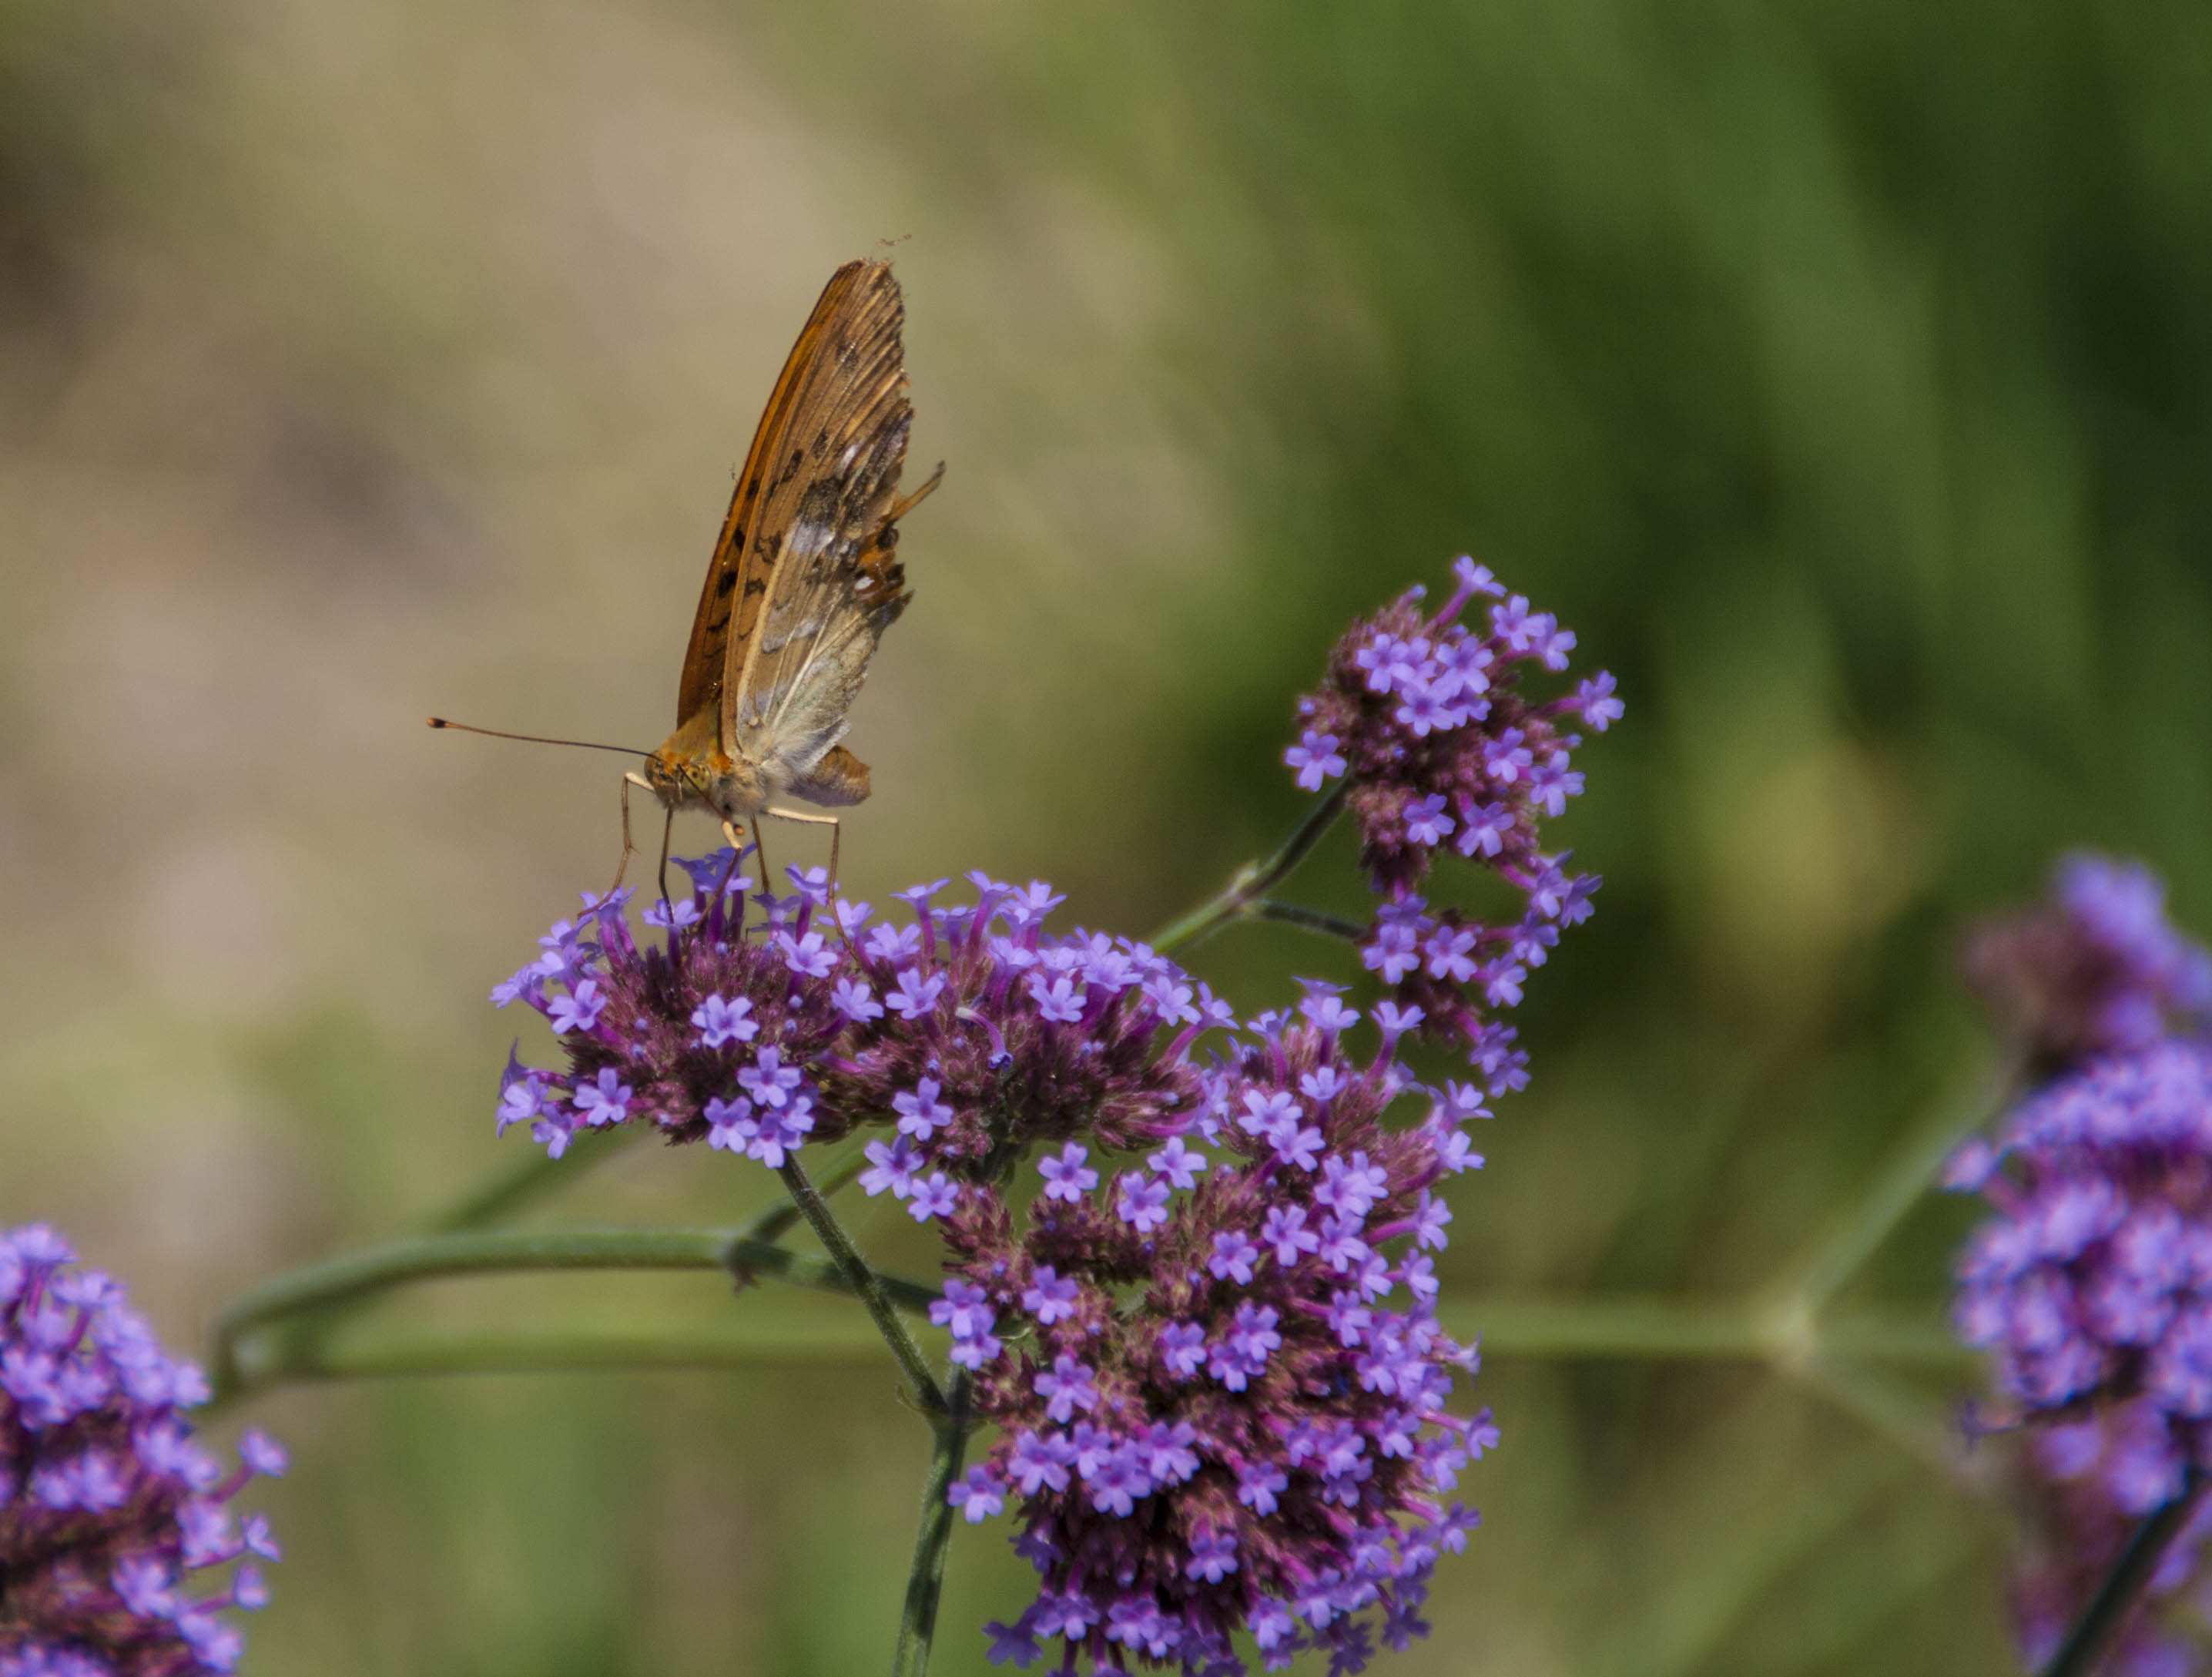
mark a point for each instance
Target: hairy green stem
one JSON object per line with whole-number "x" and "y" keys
{"x": 865, "y": 1282}
{"x": 1235, "y": 900}
{"x": 2124, "y": 1585}
{"x": 925, "y": 1581}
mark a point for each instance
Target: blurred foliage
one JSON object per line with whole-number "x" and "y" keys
{"x": 1839, "y": 372}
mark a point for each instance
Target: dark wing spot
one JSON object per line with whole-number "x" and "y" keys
{"x": 887, "y": 537}
{"x": 726, "y": 581}
{"x": 718, "y": 624}
{"x": 771, "y": 544}
{"x": 756, "y": 585}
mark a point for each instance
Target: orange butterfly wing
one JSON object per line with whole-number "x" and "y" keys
{"x": 804, "y": 577}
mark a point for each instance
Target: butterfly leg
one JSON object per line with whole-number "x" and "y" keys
{"x": 737, "y": 859}
{"x": 667, "y": 832}
{"x": 629, "y": 848}
{"x": 837, "y": 832}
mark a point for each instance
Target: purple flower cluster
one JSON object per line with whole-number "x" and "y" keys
{"x": 970, "y": 1031}
{"x": 1425, "y": 723}
{"x": 106, "y": 1505}
{"x": 2092, "y": 1286}
{"x": 2080, "y": 1531}
{"x": 1217, "y": 1372}
{"x": 2098, "y": 969}
{"x": 1198, "y": 1298}
{"x": 2094, "y": 1283}
{"x": 1437, "y": 748}
{"x": 1195, "y": 1297}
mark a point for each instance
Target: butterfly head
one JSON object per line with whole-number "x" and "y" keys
{"x": 691, "y": 771}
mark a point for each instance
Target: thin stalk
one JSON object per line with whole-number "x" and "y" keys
{"x": 358, "y": 1275}
{"x": 1308, "y": 919}
{"x": 1832, "y": 1261}
{"x": 2123, "y": 1587}
{"x": 529, "y": 1180}
{"x": 925, "y": 1581}
{"x": 865, "y": 1282}
{"x": 1253, "y": 880}
{"x": 378, "y": 1352}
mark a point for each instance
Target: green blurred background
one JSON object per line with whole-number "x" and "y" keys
{"x": 1839, "y": 370}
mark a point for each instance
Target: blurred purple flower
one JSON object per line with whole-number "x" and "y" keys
{"x": 2092, "y": 1286}
{"x": 108, "y": 1505}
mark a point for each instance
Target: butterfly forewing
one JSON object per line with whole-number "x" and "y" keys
{"x": 737, "y": 579}
{"x": 805, "y": 577}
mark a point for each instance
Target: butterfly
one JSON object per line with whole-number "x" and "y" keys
{"x": 805, "y": 580}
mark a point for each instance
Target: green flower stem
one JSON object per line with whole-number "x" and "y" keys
{"x": 865, "y": 1282}
{"x": 1237, "y": 900}
{"x": 1309, "y": 919}
{"x": 1661, "y": 1328}
{"x": 359, "y": 1274}
{"x": 1564, "y": 1329}
{"x": 925, "y": 1581}
{"x": 2124, "y": 1585}
{"x": 381, "y": 1351}
{"x": 535, "y": 1177}
{"x": 1829, "y": 1263}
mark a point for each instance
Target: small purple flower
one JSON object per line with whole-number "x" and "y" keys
{"x": 1051, "y": 1297}
{"x": 1066, "y": 1176}
{"x": 1143, "y": 1202}
{"x": 856, "y": 1001}
{"x": 1314, "y": 756}
{"x": 916, "y": 994}
{"x": 921, "y": 1115}
{"x": 810, "y": 957}
{"x": 771, "y": 1083}
{"x": 979, "y": 1496}
{"x": 1594, "y": 698}
{"x": 966, "y": 1310}
{"x": 578, "y": 1010}
{"x": 1067, "y": 1387}
{"x": 937, "y": 1197}
{"x": 1427, "y": 823}
{"x": 720, "y": 1022}
{"x": 604, "y": 1100}
{"x": 1182, "y": 1349}
{"x": 892, "y": 1166}
{"x": 1057, "y": 999}
{"x": 1234, "y": 1253}
{"x": 1179, "y": 1163}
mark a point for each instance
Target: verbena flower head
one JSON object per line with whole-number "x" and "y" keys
{"x": 2079, "y": 1528}
{"x": 1424, "y": 723}
{"x": 2093, "y": 1285}
{"x": 1197, "y": 1297}
{"x": 112, "y": 1520}
{"x": 967, "y": 1031}
{"x": 1217, "y": 1370}
{"x": 2097, "y": 969}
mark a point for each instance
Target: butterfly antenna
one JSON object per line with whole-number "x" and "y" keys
{"x": 539, "y": 738}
